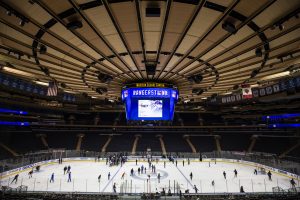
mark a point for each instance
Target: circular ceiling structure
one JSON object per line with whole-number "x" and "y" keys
{"x": 89, "y": 46}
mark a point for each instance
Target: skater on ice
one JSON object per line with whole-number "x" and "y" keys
{"x": 69, "y": 177}
{"x": 99, "y": 178}
{"x": 52, "y": 178}
{"x": 242, "y": 189}
{"x": 114, "y": 188}
{"x": 270, "y": 176}
{"x": 196, "y": 189}
{"x": 131, "y": 172}
{"x": 224, "y": 174}
{"x": 235, "y": 173}
{"x": 65, "y": 169}
{"x": 30, "y": 173}
{"x": 293, "y": 183}
{"x": 255, "y": 171}
{"x": 108, "y": 176}
{"x": 15, "y": 178}
{"x": 191, "y": 176}
{"x": 158, "y": 177}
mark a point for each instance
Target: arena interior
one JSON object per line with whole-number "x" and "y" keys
{"x": 150, "y": 99}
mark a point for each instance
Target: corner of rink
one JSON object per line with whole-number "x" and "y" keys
{"x": 139, "y": 175}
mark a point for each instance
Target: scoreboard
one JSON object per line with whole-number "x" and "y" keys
{"x": 144, "y": 102}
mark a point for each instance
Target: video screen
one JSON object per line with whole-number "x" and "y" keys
{"x": 150, "y": 108}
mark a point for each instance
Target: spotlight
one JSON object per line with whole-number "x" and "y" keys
{"x": 8, "y": 12}
{"x": 22, "y": 22}
{"x": 281, "y": 27}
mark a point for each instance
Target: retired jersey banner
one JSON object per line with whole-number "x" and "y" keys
{"x": 246, "y": 91}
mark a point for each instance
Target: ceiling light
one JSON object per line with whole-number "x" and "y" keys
{"x": 22, "y": 22}
{"x": 281, "y": 27}
{"x": 8, "y": 12}
{"x": 41, "y": 83}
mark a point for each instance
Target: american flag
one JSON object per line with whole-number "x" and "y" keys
{"x": 52, "y": 89}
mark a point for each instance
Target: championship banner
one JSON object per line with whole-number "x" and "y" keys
{"x": 246, "y": 92}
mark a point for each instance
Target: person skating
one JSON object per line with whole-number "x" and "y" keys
{"x": 158, "y": 177}
{"x": 224, "y": 174}
{"x": 196, "y": 189}
{"x": 65, "y": 169}
{"x": 30, "y": 173}
{"x": 176, "y": 163}
{"x": 99, "y": 178}
{"x": 235, "y": 173}
{"x": 270, "y": 176}
{"x": 213, "y": 183}
{"x": 293, "y": 183}
{"x": 139, "y": 171}
{"x": 69, "y": 168}
{"x": 108, "y": 176}
{"x": 164, "y": 164}
{"x": 123, "y": 175}
{"x": 52, "y": 178}
{"x": 114, "y": 188}
{"x": 131, "y": 172}
{"x": 191, "y": 176}
{"x": 188, "y": 161}
{"x": 69, "y": 177}
{"x": 255, "y": 171}
{"x": 242, "y": 189}
{"x": 15, "y": 178}
{"x": 169, "y": 192}
{"x": 135, "y": 161}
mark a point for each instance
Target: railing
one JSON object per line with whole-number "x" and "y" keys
{"x": 290, "y": 164}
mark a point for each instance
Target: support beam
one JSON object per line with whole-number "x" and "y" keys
{"x": 290, "y": 150}
{"x": 162, "y": 144}
{"x": 79, "y": 141}
{"x": 135, "y": 142}
{"x": 15, "y": 154}
{"x": 106, "y": 143}
{"x": 187, "y": 139}
{"x": 218, "y": 145}
{"x": 43, "y": 140}
{"x": 252, "y": 144}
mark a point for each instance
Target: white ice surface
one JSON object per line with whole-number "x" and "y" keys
{"x": 85, "y": 178}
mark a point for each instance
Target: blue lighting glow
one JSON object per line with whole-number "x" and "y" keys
{"x": 284, "y": 125}
{"x": 14, "y": 123}
{"x": 279, "y": 117}
{"x": 19, "y": 112}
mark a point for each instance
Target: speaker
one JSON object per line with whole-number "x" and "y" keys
{"x": 73, "y": 25}
{"x": 197, "y": 78}
{"x": 152, "y": 12}
{"x": 258, "y": 52}
{"x": 104, "y": 78}
{"x": 229, "y": 27}
{"x": 150, "y": 69}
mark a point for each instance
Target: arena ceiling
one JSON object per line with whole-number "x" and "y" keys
{"x": 118, "y": 39}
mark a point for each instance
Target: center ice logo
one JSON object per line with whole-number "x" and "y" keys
{"x": 153, "y": 176}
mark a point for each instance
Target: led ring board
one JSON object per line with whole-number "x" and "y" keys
{"x": 149, "y": 101}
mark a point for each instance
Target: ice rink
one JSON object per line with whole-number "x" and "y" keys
{"x": 85, "y": 177}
